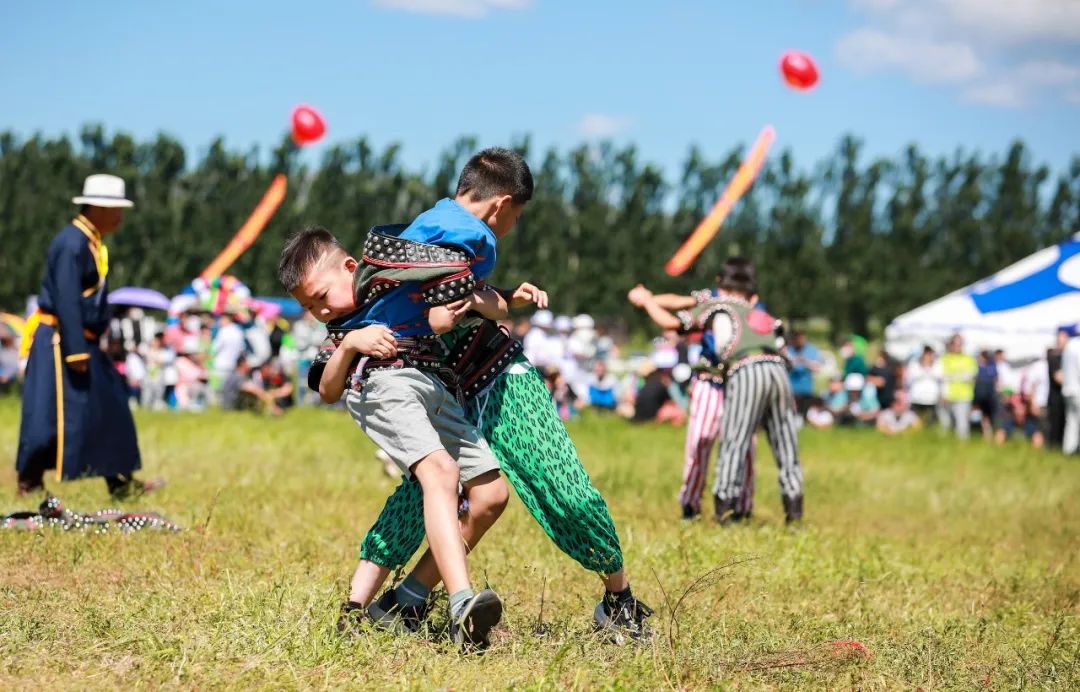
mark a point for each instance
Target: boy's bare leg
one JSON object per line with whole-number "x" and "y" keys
{"x": 616, "y": 581}
{"x": 366, "y": 581}
{"x": 487, "y": 495}
{"x": 438, "y": 476}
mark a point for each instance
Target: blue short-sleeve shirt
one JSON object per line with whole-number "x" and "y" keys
{"x": 447, "y": 224}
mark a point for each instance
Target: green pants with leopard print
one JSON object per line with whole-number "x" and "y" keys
{"x": 541, "y": 463}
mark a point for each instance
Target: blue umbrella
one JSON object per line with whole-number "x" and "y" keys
{"x": 133, "y": 296}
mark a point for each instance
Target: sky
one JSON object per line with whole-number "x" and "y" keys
{"x": 948, "y": 75}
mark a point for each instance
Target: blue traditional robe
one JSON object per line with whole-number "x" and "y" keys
{"x": 77, "y": 423}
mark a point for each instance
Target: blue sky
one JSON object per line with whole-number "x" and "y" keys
{"x": 946, "y": 74}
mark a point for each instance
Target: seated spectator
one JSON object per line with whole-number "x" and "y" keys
{"x": 864, "y": 406}
{"x": 861, "y": 406}
{"x": 654, "y": 402}
{"x": 603, "y": 388}
{"x": 898, "y": 417}
{"x": 1020, "y": 412}
{"x": 818, "y": 414}
{"x": 836, "y": 399}
{"x": 9, "y": 363}
{"x": 243, "y": 390}
{"x": 277, "y": 384}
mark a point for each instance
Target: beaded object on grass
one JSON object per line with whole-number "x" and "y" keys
{"x": 53, "y": 514}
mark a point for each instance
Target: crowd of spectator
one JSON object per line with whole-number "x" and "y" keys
{"x": 244, "y": 362}
{"x": 954, "y": 390}
{"x": 238, "y": 361}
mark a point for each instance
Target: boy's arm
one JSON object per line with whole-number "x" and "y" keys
{"x": 668, "y": 301}
{"x": 375, "y": 340}
{"x": 673, "y": 301}
{"x": 661, "y": 316}
{"x": 487, "y": 301}
{"x": 490, "y": 303}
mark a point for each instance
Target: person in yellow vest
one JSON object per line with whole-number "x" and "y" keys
{"x": 75, "y": 416}
{"x": 958, "y": 371}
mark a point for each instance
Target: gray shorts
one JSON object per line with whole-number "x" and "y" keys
{"x": 409, "y": 414}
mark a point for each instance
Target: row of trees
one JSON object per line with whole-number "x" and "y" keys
{"x": 853, "y": 240}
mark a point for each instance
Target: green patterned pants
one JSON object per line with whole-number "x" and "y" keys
{"x": 541, "y": 463}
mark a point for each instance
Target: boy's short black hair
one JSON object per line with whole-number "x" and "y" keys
{"x": 494, "y": 172}
{"x": 738, "y": 275}
{"x": 301, "y": 250}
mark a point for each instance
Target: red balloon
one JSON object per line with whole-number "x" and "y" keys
{"x": 307, "y": 125}
{"x": 799, "y": 70}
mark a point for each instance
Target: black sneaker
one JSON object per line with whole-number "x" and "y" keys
{"x": 351, "y": 619}
{"x": 741, "y": 516}
{"x": 793, "y": 509}
{"x": 386, "y": 614}
{"x": 724, "y": 510}
{"x": 623, "y": 622}
{"x": 689, "y": 513}
{"x": 472, "y": 628}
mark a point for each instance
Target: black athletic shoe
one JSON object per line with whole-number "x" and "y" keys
{"x": 793, "y": 509}
{"x": 472, "y": 628}
{"x": 689, "y": 513}
{"x": 351, "y": 619}
{"x": 737, "y": 517}
{"x": 386, "y": 614}
{"x": 623, "y": 622}
{"x": 725, "y": 510}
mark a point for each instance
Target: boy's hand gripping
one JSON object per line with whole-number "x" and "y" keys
{"x": 527, "y": 294}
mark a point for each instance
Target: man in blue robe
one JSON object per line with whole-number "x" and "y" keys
{"x": 75, "y": 415}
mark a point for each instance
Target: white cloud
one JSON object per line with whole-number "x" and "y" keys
{"x": 1005, "y": 53}
{"x": 1016, "y": 21}
{"x": 1073, "y": 96}
{"x": 459, "y": 8}
{"x": 1004, "y": 94}
{"x": 601, "y": 126}
{"x": 869, "y": 50}
{"x": 1048, "y": 72}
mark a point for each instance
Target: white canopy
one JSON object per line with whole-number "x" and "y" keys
{"x": 1019, "y": 309}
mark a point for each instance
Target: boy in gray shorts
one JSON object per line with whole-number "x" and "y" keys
{"x": 385, "y": 358}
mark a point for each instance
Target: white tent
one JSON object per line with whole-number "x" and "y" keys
{"x": 1019, "y": 309}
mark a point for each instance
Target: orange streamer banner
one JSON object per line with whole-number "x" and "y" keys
{"x": 251, "y": 229}
{"x": 710, "y": 225}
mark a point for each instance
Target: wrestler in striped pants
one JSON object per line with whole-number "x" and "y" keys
{"x": 706, "y": 408}
{"x": 759, "y": 392}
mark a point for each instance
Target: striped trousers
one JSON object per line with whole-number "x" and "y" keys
{"x": 706, "y": 409}
{"x": 758, "y": 393}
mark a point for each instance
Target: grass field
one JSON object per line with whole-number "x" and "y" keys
{"x": 955, "y": 564}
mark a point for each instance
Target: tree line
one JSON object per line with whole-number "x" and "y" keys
{"x": 852, "y": 239}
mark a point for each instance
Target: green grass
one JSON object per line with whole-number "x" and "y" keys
{"x": 955, "y": 564}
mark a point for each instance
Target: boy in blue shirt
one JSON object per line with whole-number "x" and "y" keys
{"x": 378, "y": 313}
{"x": 506, "y": 398}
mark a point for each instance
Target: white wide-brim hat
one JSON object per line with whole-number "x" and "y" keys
{"x": 103, "y": 190}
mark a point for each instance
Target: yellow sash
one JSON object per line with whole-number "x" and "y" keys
{"x": 97, "y": 249}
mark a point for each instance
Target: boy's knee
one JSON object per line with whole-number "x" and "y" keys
{"x": 488, "y": 495}
{"x": 438, "y": 468}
